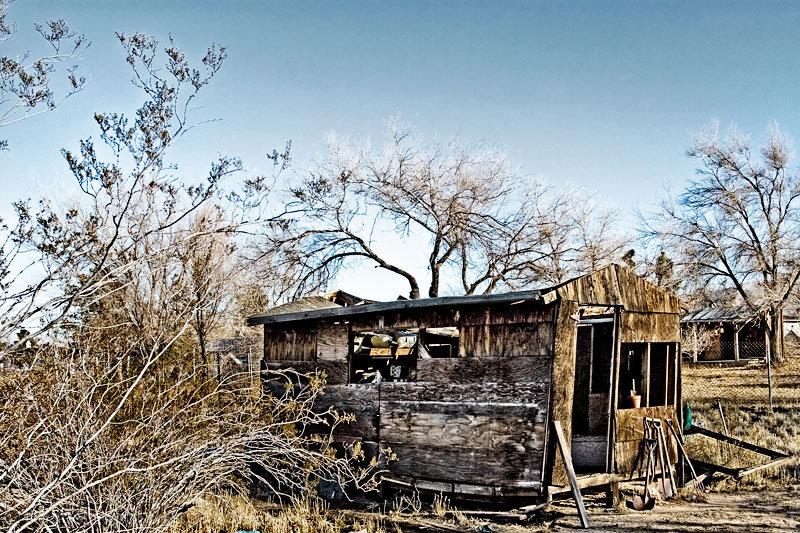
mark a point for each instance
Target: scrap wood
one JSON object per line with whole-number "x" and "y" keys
{"x": 737, "y": 442}
{"x": 566, "y": 458}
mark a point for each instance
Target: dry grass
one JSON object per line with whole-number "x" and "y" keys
{"x": 225, "y": 514}
{"x": 779, "y": 430}
{"x": 742, "y": 391}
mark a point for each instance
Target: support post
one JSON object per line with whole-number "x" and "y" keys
{"x": 566, "y": 458}
{"x": 646, "y": 378}
{"x": 696, "y": 349}
{"x": 735, "y": 342}
{"x": 768, "y": 357}
{"x": 613, "y": 498}
{"x": 676, "y": 365}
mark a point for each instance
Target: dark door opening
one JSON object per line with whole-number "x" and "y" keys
{"x": 593, "y": 356}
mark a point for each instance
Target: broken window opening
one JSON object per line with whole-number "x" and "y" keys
{"x": 646, "y": 370}
{"x": 392, "y": 354}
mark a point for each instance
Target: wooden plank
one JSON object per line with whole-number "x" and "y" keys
{"x": 588, "y": 481}
{"x": 629, "y": 421}
{"x": 336, "y": 372}
{"x": 645, "y": 392}
{"x": 629, "y": 433}
{"x": 497, "y": 427}
{"x": 506, "y": 340}
{"x": 563, "y": 448}
{"x": 292, "y": 344}
{"x": 332, "y": 343}
{"x": 649, "y": 327}
{"x": 484, "y": 370}
{"x": 359, "y": 400}
{"x": 768, "y": 464}
{"x": 613, "y": 385}
{"x": 563, "y": 378}
{"x": 505, "y": 314}
{"x": 521, "y": 393}
{"x": 463, "y": 465}
{"x": 737, "y": 442}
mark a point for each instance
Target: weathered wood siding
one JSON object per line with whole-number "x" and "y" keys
{"x": 298, "y": 343}
{"x": 649, "y": 327}
{"x": 466, "y": 432}
{"x": 332, "y": 343}
{"x": 630, "y": 431}
{"x": 618, "y": 286}
{"x": 484, "y": 370}
{"x": 361, "y": 401}
{"x": 336, "y": 372}
{"x": 563, "y": 380}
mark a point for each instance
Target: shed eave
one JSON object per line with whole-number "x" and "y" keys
{"x": 399, "y": 305}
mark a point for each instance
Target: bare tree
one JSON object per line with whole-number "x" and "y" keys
{"x": 103, "y": 424}
{"x": 27, "y": 85}
{"x": 131, "y": 212}
{"x": 206, "y": 257}
{"x": 485, "y": 221}
{"x": 736, "y": 226}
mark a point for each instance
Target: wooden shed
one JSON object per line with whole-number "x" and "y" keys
{"x": 464, "y": 390}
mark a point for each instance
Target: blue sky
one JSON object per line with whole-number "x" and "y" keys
{"x": 601, "y": 94}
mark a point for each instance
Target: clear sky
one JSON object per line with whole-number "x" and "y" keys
{"x": 601, "y": 94}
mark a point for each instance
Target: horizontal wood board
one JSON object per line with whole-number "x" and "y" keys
{"x": 629, "y": 432}
{"x": 336, "y": 372}
{"x": 507, "y": 340}
{"x": 649, "y": 327}
{"x": 485, "y": 370}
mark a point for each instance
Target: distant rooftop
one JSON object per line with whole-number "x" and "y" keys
{"x": 722, "y": 313}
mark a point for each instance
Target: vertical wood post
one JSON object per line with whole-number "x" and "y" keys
{"x": 768, "y": 357}
{"x": 676, "y": 376}
{"x": 696, "y": 348}
{"x": 646, "y": 378}
{"x": 612, "y": 393}
{"x": 666, "y": 376}
{"x": 735, "y": 342}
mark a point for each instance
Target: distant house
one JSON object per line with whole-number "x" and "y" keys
{"x": 725, "y": 333}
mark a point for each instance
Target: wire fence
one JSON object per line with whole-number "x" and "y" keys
{"x": 744, "y": 383}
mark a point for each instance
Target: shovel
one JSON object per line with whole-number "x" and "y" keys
{"x": 645, "y": 502}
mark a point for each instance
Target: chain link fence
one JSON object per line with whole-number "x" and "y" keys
{"x": 745, "y": 383}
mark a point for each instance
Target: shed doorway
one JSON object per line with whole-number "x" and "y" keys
{"x": 590, "y": 418}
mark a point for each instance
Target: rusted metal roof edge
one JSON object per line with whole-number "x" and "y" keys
{"x": 398, "y": 305}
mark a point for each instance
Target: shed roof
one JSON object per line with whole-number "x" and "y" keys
{"x": 301, "y": 305}
{"x": 612, "y": 285}
{"x": 279, "y": 315}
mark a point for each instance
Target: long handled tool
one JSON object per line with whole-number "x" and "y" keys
{"x": 667, "y": 484}
{"x": 679, "y": 441}
{"x": 645, "y": 502}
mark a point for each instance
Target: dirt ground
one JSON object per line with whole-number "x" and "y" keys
{"x": 735, "y": 512}
{"x": 741, "y": 512}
